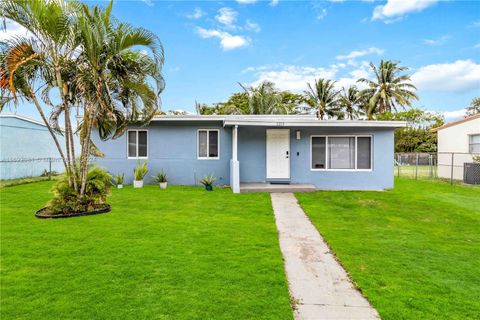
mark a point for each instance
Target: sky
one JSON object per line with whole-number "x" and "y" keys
{"x": 211, "y": 46}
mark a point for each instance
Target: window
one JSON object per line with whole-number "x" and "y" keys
{"x": 137, "y": 144}
{"x": 341, "y": 152}
{"x": 208, "y": 144}
{"x": 474, "y": 143}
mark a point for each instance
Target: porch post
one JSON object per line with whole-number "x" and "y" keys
{"x": 234, "y": 164}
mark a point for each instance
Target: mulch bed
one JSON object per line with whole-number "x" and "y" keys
{"x": 41, "y": 213}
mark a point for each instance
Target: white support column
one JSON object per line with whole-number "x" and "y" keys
{"x": 234, "y": 164}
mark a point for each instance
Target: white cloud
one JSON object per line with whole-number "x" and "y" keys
{"x": 436, "y": 42}
{"x": 13, "y": 29}
{"x": 360, "y": 53}
{"x": 454, "y": 114}
{"x": 477, "y": 46}
{"x": 226, "y": 16}
{"x": 148, "y": 2}
{"x": 246, "y": 1}
{"x": 475, "y": 24}
{"x": 459, "y": 76}
{"x": 227, "y": 40}
{"x": 274, "y": 3}
{"x": 395, "y": 9}
{"x": 322, "y": 14}
{"x": 197, "y": 14}
{"x": 252, "y": 26}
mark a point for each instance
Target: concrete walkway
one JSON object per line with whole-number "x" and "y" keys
{"x": 318, "y": 284}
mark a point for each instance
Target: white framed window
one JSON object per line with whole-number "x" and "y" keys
{"x": 341, "y": 153}
{"x": 474, "y": 143}
{"x": 137, "y": 144}
{"x": 208, "y": 144}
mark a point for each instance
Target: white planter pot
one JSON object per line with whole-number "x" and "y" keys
{"x": 163, "y": 185}
{"x": 119, "y": 186}
{"x": 137, "y": 184}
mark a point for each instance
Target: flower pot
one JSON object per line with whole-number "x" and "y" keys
{"x": 137, "y": 184}
{"x": 163, "y": 185}
{"x": 209, "y": 188}
{"x": 119, "y": 186}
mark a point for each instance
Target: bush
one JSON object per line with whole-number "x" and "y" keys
{"x": 140, "y": 171}
{"x": 66, "y": 200}
{"x": 161, "y": 177}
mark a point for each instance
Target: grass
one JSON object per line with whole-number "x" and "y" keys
{"x": 413, "y": 251}
{"x": 180, "y": 253}
{"x": 17, "y": 182}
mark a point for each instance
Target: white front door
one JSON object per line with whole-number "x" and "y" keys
{"x": 278, "y": 153}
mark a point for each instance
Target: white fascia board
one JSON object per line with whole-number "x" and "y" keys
{"x": 320, "y": 123}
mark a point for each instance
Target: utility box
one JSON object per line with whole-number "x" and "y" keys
{"x": 471, "y": 172}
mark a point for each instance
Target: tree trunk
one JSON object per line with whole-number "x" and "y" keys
{"x": 52, "y": 133}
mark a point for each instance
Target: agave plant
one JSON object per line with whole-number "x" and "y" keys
{"x": 208, "y": 181}
{"x": 140, "y": 171}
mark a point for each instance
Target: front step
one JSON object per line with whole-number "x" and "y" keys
{"x": 276, "y": 188}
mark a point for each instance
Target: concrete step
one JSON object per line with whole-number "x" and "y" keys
{"x": 276, "y": 188}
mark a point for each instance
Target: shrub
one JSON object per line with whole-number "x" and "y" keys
{"x": 160, "y": 177}
{"x": 140, "y": 171}
{"x": 119, "y": 178}
{"x": 208, "y": 180}
{"x": 66, "y": 199}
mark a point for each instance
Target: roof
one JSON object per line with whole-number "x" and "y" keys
{"x": 454, "y": 123}
{"x": 16, "y": 116}
{"x": 281, "y": 120}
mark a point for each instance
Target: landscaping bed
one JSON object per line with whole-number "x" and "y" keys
{"x": 179, "y": 253}
{"x": 413, "y": 251}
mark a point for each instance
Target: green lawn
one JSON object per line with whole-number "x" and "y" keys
{"x": 183, "y": 253}
{"x": 413, "y": 251}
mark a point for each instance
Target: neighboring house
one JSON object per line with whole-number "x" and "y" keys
{"x": 457, "y": 142}
{"x": 346, "y": 155}
{"x": 21, "y": 141}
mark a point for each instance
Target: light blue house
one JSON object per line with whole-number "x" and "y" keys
{"x": 238, "y": 150}
{"x": 26, "y": 148}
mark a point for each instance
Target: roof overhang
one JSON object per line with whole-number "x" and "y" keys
{"x": 282, "y": 121}
{"x": 320, "y": 123}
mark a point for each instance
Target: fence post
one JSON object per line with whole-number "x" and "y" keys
{"x": 416, "y": 166}
{"x": 430, "y": 165}
{"x": 451, "y": 169}
{"x": 49, "y": 168}
{"x": 399, "y": 157}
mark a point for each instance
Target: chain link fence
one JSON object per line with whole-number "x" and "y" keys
{"x": 452, "y": 166}
{"x": 16, "y": 168}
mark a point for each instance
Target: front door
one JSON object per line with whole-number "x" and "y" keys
{"x": 278, "y": 154}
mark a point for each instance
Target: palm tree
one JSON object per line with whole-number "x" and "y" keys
{"x": 349, "y": 101}
{"x": 474, "y": 107}
{"x": 389, "y": 89}
{"x": 264, "y": 99}
{"x": 323, "y": 97}
{"x": 93, "y": 60}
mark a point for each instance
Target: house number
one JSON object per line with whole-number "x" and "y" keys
{"x": 280, "y": 124}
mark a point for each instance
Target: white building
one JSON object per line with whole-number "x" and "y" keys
{"x": 458, "y": 142}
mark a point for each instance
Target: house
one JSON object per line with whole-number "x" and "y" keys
{"x": 458, "y": 141}
{"x": 294, "y": 149}
{"x": 26, "y": 148}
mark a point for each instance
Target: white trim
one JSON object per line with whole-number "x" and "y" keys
{"x": 281, "y": 121}
{"x": 356, "y": 136}
{"x": 16, "y": 116}
{"x": 208, "y": 144}
{"x": 136, "y": 144}
{"x": 289, "y": 155}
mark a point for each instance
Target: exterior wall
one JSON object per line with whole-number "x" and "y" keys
{"x": 21, "y": 139}
{"x": 252, "y": 158}
{"x": 455, "y": 139}
{"x": 172, "y": 147}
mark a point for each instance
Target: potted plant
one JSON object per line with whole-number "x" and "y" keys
{"x": 161, "y": 179}
{"x": 208, "y": 182}
{"x": 139, "y": 172}
{"x": 119, "y": 178}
